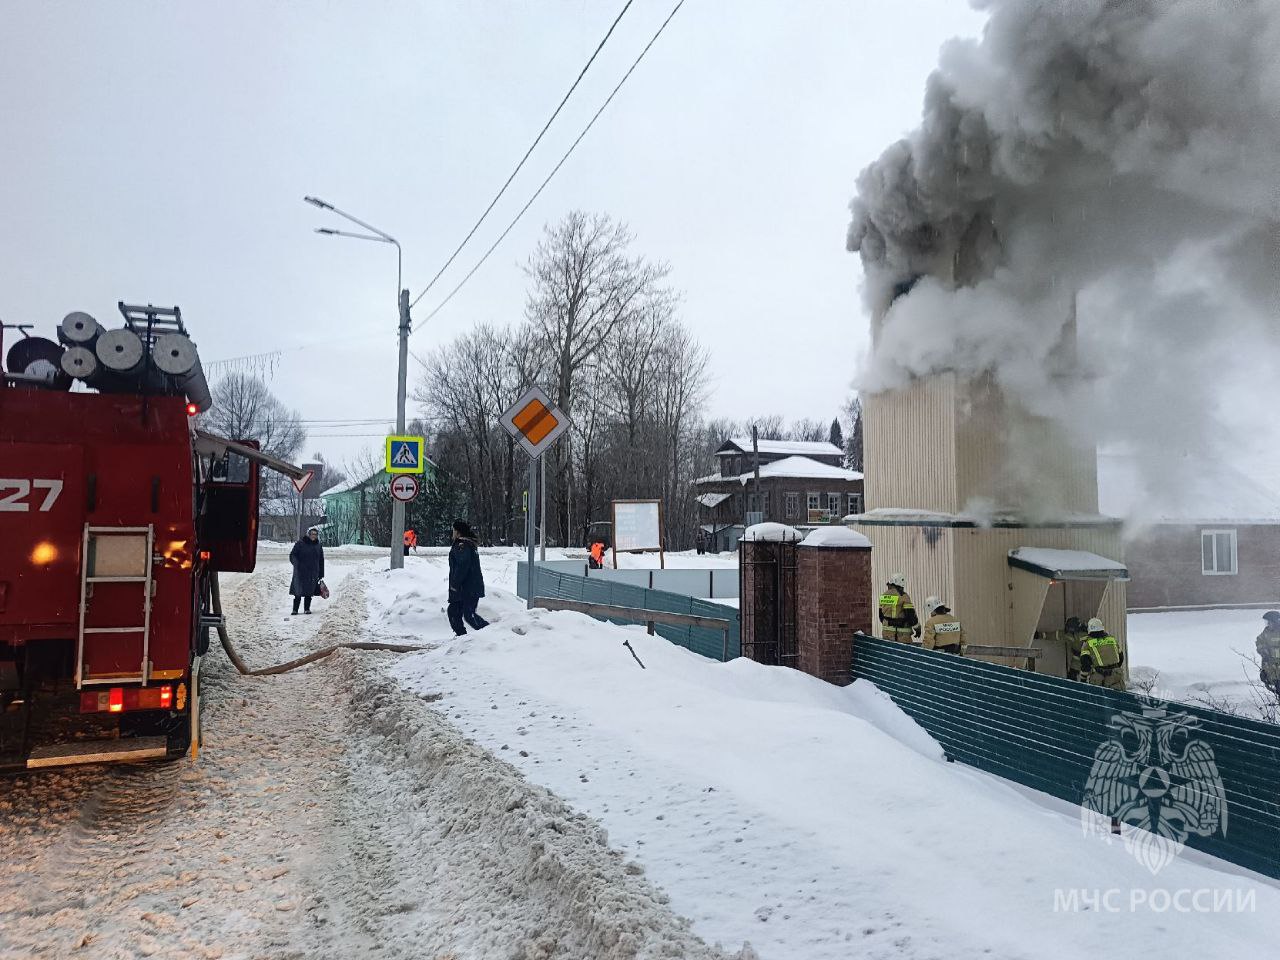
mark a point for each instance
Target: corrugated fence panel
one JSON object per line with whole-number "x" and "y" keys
{"x": 708, "y": 643}
{"x": 1044, "y": 731}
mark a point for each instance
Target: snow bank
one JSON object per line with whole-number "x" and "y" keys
{"x": 525, "y": 875}
{"x": 817, "y": 822}
{"x": 1205, "y": 657}
{"x": 836, "y": 538}
{"x": 774, "y": 532}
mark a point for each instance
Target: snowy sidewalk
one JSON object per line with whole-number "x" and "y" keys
{"x": 814, "y": 822}
{"x": 331, "y": 815}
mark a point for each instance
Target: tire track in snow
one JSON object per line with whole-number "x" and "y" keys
{"x": 330, "y": 815}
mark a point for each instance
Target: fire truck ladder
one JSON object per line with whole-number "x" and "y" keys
{"x": 88, "y": 577}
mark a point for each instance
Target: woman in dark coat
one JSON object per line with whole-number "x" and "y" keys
{"x": 307, "y": 557}
{"x": 466, "y": 582}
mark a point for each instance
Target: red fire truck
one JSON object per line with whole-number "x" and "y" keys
{"x": 114, "y": 513}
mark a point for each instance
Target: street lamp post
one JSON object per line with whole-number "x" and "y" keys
{"x": 402, "y": 372}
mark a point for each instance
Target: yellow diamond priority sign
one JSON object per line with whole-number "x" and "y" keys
{"x": 535, "y": 421}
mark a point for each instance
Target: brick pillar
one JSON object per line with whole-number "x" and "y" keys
{"x": 834, "y": 600}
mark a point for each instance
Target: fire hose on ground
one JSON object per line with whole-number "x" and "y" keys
{"x": 215, "y": 598}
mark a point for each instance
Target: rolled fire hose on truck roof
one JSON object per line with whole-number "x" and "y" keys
{"x": 219, "y": 446}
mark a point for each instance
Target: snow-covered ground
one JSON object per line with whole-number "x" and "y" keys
{"x": 1205, "y": 657}
{"x": 331, "y": 814}
{"x": 812, "y": 821}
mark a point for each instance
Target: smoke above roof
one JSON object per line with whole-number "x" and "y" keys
{"x": 1121, "y": 156}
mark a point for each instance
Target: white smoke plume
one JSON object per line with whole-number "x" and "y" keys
{"x": 1124, "y": 152}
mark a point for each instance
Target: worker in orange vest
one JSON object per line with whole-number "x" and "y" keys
{"x": 597, "y": 555}
{"x": 410, "y": 541}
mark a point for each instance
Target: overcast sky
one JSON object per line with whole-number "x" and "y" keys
{"x": 160, "y": 151}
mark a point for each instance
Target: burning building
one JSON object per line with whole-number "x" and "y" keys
{"x": 980, "y": 501}
{"x": 1097, "y": 155}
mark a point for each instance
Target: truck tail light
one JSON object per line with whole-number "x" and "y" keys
{"x": 124, "y": 699}
{"x": 192, "y": 409}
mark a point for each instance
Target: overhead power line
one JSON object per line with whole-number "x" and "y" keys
{"x": 573, "y": 146}
{"x": 538, "y": 139}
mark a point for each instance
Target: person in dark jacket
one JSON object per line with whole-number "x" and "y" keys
{"x": 307, "y": 557}
{"x": 466, "y": 582}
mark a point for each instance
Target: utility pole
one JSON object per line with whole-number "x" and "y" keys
{"x": 378, "y": 236}
{"x": 402, "y": 375}
{"x": 755, "y": 454}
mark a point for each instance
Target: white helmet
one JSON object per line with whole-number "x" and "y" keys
{"x": 1095, "y": 626}
{"x": 933, "y": 603}
{"x": 898, "y": 580}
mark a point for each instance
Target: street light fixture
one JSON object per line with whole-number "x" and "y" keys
{"x": 378, "y": 236}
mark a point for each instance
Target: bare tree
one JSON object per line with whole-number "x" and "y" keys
{"x": 808, "y": 430}
{"x": 584, "y": 285}
{"x": 772, "y": 427}
{"x": 245, "y": 409}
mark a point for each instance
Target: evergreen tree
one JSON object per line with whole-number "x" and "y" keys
{"x": 837, "y": 435}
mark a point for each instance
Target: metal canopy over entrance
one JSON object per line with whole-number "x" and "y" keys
{"x": 1066, "y": 564}
{"x": 1050, "y": 587}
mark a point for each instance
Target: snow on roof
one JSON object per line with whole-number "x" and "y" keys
{"x": 1067, "y": 564}
{"x": 713, "y": 499}
{"x": 1182, "y": 490}
{"x": 774, "y": 532}
{"x": 836, "y": 538}
{"x": 784, "y": 447}
{"x": 984, "y": 518}
{"x": 348, "y": 485}
{"x": 804, "y": 468}
{"x": 795, "y": 467}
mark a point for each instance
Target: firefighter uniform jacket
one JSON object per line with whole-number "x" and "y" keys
{"x": 1269, "y": 653}
{"x": 943, "y": 631}
{"x": 898, "y": 614}
{"x": 1101, "y": 661}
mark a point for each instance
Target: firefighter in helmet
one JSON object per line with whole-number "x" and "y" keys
{"x": 1101, "y": 660}
{"x": 1269, "y": 652}
{"x": 596, "y": 559}
{"x": 942, "y": 630}
{"x": 897, "y": 613}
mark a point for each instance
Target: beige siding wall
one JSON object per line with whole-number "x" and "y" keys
{"x": 1032, "y": 465}
{"x": 910, "y": 446}
{"x": 982, "y": 559}
{"x": 922, "y": 554}
{"x": 949, "y": 446}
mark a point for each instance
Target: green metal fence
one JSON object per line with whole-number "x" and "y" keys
{"x": 1047, "y": 733}
{"x": 708, "y": 643}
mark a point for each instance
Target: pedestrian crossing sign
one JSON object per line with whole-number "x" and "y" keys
{"x": 405, "y": 455}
